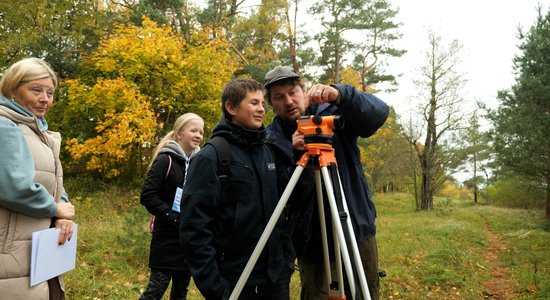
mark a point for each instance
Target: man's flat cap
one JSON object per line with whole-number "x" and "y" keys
{"x": 280, "y": 73}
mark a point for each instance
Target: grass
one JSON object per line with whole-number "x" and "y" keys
{"x": 437, "y": 254}
{"x": 528, "y": 254}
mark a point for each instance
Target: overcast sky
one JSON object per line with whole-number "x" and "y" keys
{"x": 486, "y": 28}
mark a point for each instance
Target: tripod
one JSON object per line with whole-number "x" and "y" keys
{"x": 322, "y": 156}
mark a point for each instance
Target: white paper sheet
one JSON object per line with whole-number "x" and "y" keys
{"x": 48, "y": 258}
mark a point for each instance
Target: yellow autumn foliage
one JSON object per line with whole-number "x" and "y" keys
{"x": 371, "y": 157}
{"x": 351, "y": 76}
{"x": 127, "y": 120}
{"x": 142, "y": 78}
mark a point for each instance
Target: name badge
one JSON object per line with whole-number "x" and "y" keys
{"x": 177, "y": 200}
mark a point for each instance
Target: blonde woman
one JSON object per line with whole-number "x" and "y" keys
{"x": 32, "y": 196}
{"x": 161, "y": 195}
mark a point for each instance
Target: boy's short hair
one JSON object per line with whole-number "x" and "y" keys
{"x": 236, "y": 90}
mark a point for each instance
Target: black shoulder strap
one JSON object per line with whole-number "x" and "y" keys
{"x": 224, "y": 156}
{"x": 224, "y": 161}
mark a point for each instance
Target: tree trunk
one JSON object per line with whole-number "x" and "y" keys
{"x": 292, "y": 35}
{"x": 336, "y": 70}
{"x": 428, "y": 156}
{"x": 548, "y": 197}
{"x": 413, "y": 157}
{"x": 427, "y": 182}
{"x": 416, "y": 198}
{"x": 475, "y": 178}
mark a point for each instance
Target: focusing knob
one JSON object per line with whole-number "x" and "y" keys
{"x": 317, "y": 119}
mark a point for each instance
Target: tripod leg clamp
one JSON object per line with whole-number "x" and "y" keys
{"x": 343, "y": 215}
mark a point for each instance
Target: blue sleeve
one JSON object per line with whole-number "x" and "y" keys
{"x": 363, "y": 113}
{"x": 64, "y": 196}
{"x": 18, "y": 192}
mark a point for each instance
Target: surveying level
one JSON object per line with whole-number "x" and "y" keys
{"x": 318, "y": 132}
{"x": 317, "y": 129}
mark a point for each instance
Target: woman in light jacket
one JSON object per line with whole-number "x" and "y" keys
{"x": 32, "y": 196}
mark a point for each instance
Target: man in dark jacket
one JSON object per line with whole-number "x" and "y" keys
{"x": 362, "y": 115}
{"x": 222, "y": 222}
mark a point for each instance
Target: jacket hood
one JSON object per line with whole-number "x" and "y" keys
{"x": 236, "y": 134}
{"x": 172, "y": 147}
{"x": 17, "y": 112}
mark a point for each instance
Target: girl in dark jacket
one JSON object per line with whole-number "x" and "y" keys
{"x": 161, "y": 195}
{"x": 222, "y": 222}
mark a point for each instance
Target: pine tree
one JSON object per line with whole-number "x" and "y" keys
{"x": 521, "y": 134}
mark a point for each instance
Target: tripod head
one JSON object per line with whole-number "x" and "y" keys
{"x": 318, "y": 132}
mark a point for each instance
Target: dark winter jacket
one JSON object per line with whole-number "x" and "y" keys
{"x": 220, "y": 235}
{"x": 163, "y": 178}
{"x": 362, "y": 114}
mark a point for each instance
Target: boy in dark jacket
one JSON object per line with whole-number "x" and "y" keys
{"x": 223, "y": 221}
{"x": 362, "y": 114}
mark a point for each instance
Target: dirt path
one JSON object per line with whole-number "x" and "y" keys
{"x": 500, "y": 286}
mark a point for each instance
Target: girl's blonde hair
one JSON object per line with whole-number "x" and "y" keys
{"x": 25, "y": 70}
{"x": 179, "y": 124}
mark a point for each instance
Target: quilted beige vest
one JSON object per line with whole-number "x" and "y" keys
{"x": 15, "y": 228}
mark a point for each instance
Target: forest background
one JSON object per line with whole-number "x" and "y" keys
{"x": 129, "y": 68}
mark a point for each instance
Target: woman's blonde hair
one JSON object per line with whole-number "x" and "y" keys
{"x": 25, "y": 70}
{"x": 179, "y": 124}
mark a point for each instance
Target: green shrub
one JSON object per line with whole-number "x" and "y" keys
{"x": 515, "y": 192}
